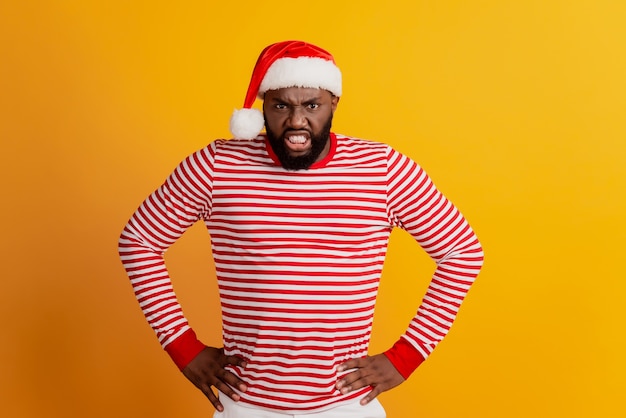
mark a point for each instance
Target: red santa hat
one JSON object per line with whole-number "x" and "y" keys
{"x": 282, "y": 65}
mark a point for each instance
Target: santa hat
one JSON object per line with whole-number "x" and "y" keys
{"x": 282, "y": 65}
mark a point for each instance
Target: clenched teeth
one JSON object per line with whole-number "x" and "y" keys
{"x": 297, "y": 139}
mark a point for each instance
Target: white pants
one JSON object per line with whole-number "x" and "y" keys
{"x": 234, "y": 409}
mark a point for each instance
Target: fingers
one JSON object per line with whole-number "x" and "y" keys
{"x": 223, "y": 382}
{"x": 229, "y": 377}
{"x": 224, "y": 376}
{"x": 371, "y": 395}
{"x": 208, "y": 392}
{"x": 234, "y": 360}
{"x": 226, "y": 381}
{"x": 360, "y": 364}
{"x": 354, "y": 380}
{"x": 218, "y": 382}
{"x": 208, "y": 372}
{"x": 352, "y": 364}
{"x": 376, "y": 372}
{"x": 357, "y": 380}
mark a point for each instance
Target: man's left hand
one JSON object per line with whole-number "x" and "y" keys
{"x": 375, "y": 371}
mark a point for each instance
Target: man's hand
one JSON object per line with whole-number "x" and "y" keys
{"x": 375, "y": 371}
{"x": 207, "y": 369}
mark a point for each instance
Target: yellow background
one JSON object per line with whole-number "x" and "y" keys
{"x": 515, "y": 108}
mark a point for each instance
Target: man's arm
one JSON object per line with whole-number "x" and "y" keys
{"x": 183, "y": 199}
{"x": 417, "y": 206}
{"x": 159, "y": 221}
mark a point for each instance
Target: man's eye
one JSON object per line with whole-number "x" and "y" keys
{"x": 313, "y": 105}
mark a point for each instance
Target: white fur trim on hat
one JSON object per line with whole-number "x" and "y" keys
{"x": 246, "y": 123}
{"x": 309, "y": 72}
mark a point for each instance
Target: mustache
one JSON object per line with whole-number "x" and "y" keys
{"x": 297, "y": 132}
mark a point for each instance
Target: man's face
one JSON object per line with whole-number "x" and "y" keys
{"x": 298, "y": 122}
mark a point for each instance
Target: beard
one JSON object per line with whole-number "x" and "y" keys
{"x": 300, "y": 162}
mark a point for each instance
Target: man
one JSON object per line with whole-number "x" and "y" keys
{"x": 299, "y": 220}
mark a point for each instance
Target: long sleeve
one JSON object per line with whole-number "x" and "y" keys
{"x": 162, "y": 218}
{"x": 418, "y": 207}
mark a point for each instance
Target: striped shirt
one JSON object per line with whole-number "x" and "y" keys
{"x": 298, "y": 257}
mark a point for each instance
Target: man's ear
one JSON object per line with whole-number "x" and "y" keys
{"x": 334, "y": 102}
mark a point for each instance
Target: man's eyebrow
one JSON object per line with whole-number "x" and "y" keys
{"x": 315, "y": 99}
{"x": 278, "y": 100}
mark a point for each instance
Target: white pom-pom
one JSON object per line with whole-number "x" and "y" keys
{"x": 246, "y": 123}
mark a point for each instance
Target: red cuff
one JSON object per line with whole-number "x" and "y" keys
{"x": 404, "y": 357}
{"x": 184, "y": 348}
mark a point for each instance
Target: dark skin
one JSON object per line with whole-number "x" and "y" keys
{"x": 295, "y": 115}
{"x": 301, "y": 114}
{"x": 208, "y": 370}
{"x": 375, "y": 371}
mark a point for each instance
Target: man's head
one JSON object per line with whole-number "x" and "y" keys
{"x": 298, "y": 122}
{"x": 300, "y": 85}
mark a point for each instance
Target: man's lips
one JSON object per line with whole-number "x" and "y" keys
{"x": 297, "y": 140}
{"x": 297, "y": 137}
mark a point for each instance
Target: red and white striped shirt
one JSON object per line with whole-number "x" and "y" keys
{"x": 298, "y": 257}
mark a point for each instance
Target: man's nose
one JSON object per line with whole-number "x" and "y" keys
{"x": 297, "y": 118}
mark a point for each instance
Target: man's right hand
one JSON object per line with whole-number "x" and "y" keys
{"x": 208, "y": 370}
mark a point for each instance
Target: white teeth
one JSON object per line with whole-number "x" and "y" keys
{"x": 297, "y": 139}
